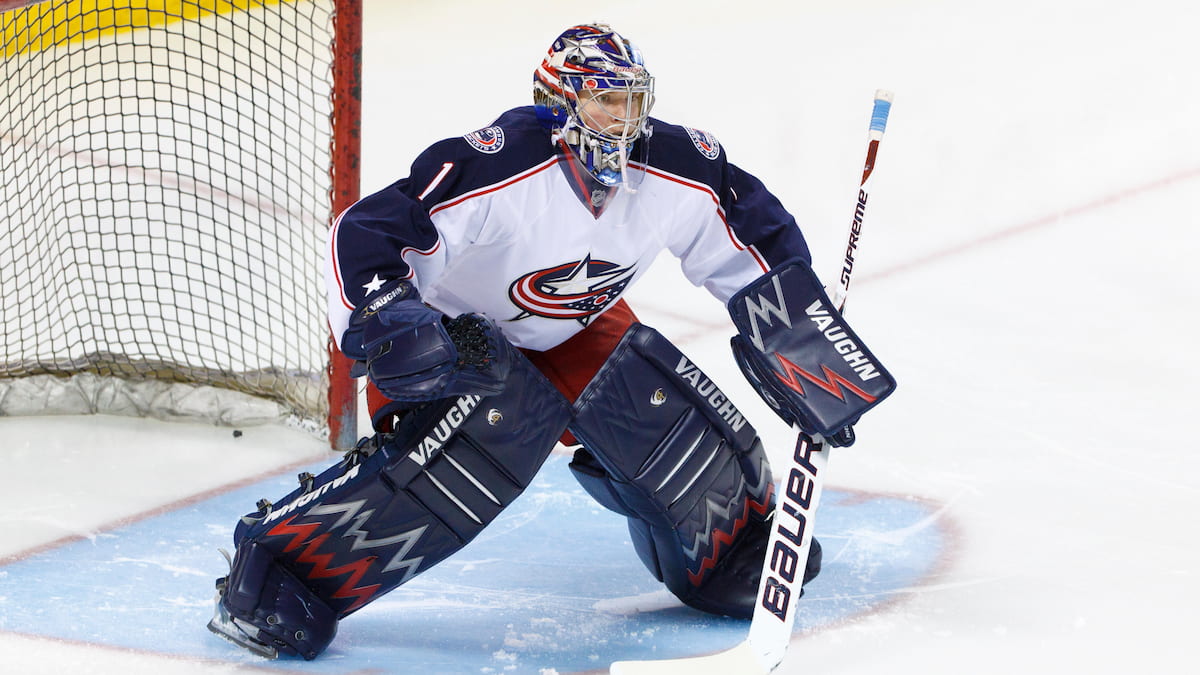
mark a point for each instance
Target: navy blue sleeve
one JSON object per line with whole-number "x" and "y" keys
{"x": 760, "y": 220}
{"x": 755, "y": 214}
{"x": 374, "y": 233}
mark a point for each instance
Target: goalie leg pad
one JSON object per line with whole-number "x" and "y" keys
{"x": 666, "y": 448}
{"x": 402, "y": 502}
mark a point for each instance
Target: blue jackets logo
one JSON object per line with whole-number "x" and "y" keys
{"x": 705, "y": 142}
{"x": 488, "y": 141}
{"x": 577, "y": 290}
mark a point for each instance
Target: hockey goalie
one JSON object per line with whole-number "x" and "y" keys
{"x": 482, "y": 298}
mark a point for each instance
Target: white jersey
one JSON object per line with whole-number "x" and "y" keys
{"x": 499, "y": 222}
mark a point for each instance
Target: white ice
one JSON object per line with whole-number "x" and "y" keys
{"x": 1024, "y": 273}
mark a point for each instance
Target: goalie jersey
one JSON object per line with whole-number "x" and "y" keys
{"x": 501, "y": 223}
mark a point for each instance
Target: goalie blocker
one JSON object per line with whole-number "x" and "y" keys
{"x": 800, "y": 355}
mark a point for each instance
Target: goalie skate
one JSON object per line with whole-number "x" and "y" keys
{"x": 239, "y": 633}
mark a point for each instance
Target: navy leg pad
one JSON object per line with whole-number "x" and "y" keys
{"x": 402, "y": 502}
{"x": 666, "y": 448}
{"x": 275, "y": 607}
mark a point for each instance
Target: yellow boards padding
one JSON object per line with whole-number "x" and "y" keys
{"x": 47, "y": 24}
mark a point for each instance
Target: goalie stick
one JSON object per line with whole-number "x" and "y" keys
{"x": 775, "y": 614}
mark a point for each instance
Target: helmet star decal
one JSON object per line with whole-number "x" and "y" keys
{"x": 577, "y": 290}
{"x": 577, "y": 53}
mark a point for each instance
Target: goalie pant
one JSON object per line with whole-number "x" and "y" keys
{"x": 661, "y": 445}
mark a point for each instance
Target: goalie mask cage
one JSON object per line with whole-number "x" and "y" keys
{"x": 168, "y": 172}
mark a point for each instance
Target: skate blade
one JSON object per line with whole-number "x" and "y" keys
{"x": 225, "y": 627}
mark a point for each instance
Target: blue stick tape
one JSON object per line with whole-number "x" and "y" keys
{"x": 879, "y": 115}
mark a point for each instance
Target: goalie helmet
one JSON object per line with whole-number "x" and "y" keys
{"x": 594, "y": 93}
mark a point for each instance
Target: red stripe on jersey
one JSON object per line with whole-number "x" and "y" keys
{"x": 737, "y": 243}
{"x": 413, "y": 249}
{"x": 492, "y": 188}
{"x": 337, "y": 267}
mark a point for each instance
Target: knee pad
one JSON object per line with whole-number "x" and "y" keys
{"x": 402, "y": 502}
{"x": 666, "y": 448}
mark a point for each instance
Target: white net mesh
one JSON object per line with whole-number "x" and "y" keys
{"x": 164, "y": 197}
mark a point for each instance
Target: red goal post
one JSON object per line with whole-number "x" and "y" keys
{"x": 168, "y": 172}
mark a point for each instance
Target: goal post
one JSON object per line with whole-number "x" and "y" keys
{"x": 168, "y": 173}
{"x": 346, "y": 127}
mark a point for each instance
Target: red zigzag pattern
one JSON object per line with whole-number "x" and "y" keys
{"x": 320, "y": 563}
{"x": 725, "y": 539}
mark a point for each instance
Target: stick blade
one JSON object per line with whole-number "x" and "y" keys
{"x": 740, "y": 660}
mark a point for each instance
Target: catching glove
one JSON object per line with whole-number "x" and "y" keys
{"x": 415, "y": 353}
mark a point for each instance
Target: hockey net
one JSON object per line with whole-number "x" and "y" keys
{"x": 168, "y": 172}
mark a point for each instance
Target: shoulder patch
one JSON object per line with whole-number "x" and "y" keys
{"x": 705, "y": 142}
{"x": 488, "y": 141}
